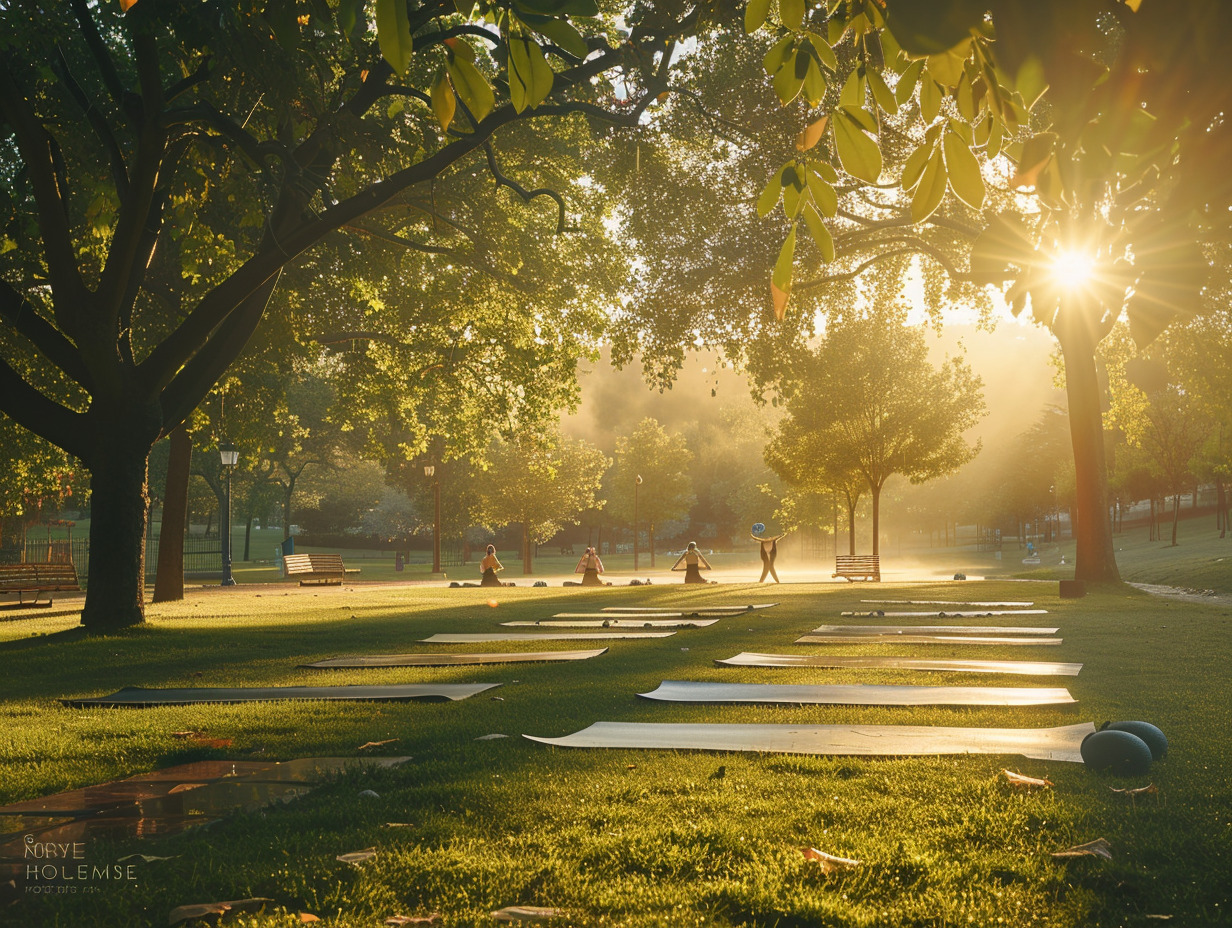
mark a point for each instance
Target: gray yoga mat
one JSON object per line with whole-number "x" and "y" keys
{"x": 541, "y": 636}
{"x": 858, "y": 694}
{"x": 887, "y": 630}
{"x": 453, "y": 660}
{"x": 964, "y": 614}
{"x": 876, "y": 740}
{"x": 631, "y": 621}
{"x": 924, "y": 639}
{"x": 140, "y": 696}
{"x": 691, "y": 610}
{"x": 1025, "y": 668}
{"x": 944, "y": 602}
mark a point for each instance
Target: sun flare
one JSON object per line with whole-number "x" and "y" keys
{"x": 1073, "y": 269}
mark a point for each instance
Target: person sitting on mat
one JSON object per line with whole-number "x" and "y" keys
{"x": 589, "y": 566}
{"x": 694, "y": 563}
{"x": 489, "y": 566}
{"x": 769, "y": 551}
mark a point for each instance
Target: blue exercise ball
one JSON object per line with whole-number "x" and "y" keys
{"x": 1116, "y": 752}
{"x": 1155, "y": 739}
{"x": 759, "y": 527}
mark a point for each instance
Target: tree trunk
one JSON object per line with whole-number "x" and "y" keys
{"x": 1095, "y": 557}
{"x": 851, "y": 526}
{"x": 248, "y": 536}
{"x": 119, "y": 505}
{"x": 1221, "y": 508}
{"x": 527, "y": 565}
{"x": 287, "y": 489}
{"x": 169, "y": 580}
{"x": 876, "y": 490}
{"x": 652, "y": 563}
{"x": 1176, "y": 515}
{"x": 1151, "y": 532}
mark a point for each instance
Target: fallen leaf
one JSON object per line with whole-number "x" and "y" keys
{"x": 526, "y": 913}
{"x": 492, "y": 737}
{"x": 376, "y": 744}
{"x": 397, "y": 921}
{"x": 185, "y": 913}
{"x": 1097, "y": 848}
{"x": 1151, "y": 788}
{"x": 1024, "y": 781}
{"x": 308, "y": 918}
{"x": 357, "y": 857}
{"x": 829, "y": 863}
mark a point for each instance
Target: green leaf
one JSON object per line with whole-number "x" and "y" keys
{"x": 755, "y": 15}
{"x": 1004, "y": 245}
{"x": 926, "y": 27}
{"x": 946, "y": 68}
{"x": 791, "y": 13}
{"x": 443, "y": 103}
{"x": 964, "y": 98}
{"x": 542, "y": 77}
{"x": 560, "y": 7}
{"x": 563, "y": 34}
{"x": 1031, "y": 82}
{"x": 906, "y": 84}
{"x": 930, "y": 99}
{"x": 853, "y": 90}
{"x": 824, "y": 196}
{"x": 519, "y": 73}
{"x": 821, "y": 235}
{"x": 858, "y": 153}
{"x": 881, "y": 93}
{"x": 814, "y": 82}
{"x": 931, "y": 189}
{"x": 786, "y": 83}
{"x": 350, "y": 16}
{"x": 1036, "y": 153}
{"x": 823, "y": 49}
{"x": 393, "y": 34}
{"x": 996, "y": 135}
{"x": 782, "y": 267}
{"x": 778, "y": 54}
{"x": 826, "y": 170}
{"x": 964, "y": 171}
{"x": 862, "y": 117}
{"x": 914, "y": 167}
{"x": 770, "y": 195}
{"x": 471, "y": 86}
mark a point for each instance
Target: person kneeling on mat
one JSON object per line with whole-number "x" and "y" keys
{"x": 694, "y": 563}
{"x": 489, "y": 566}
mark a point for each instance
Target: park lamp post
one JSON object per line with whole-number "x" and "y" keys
{"x": 229, "y": 457}
{"x": 637, "y": 482}
{"x": 430, "y": 473}
{"x": 1056, "y": 516}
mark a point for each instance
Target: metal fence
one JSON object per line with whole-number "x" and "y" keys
{"x": 202, "y": 554}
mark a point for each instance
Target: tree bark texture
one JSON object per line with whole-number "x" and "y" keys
{"x": 169, "y": 579}
{"x": 1095, "y": 557}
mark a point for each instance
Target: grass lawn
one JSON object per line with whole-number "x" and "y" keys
{"x": 638, "y": 838}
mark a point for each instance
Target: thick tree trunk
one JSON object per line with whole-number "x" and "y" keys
{"x": 248, "y": 536}
{"x": 1151, "y": 533}
{"x": 876, "y": 490}
{"x": 119, "y": 505}
{"x": 851, "y": 527}
{"x": 1221, "y": 508}
{"x": 287, "y": 489}
{"x": 1095, "y": 558}
{"x": 169, "y": 580}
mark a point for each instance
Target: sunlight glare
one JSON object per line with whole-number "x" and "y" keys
{"x": 1073, "y": 269}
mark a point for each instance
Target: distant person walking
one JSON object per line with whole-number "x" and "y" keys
{"x": 694, "y": 563}
{"x": 769, "y": 551}
{"x": 489, "y": 566}
{"x": 589, "y": 566}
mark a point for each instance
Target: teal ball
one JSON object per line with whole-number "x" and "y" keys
{"x": 758, "y": 528}
{"x": 1116, "y": 752}
{"x": 1155, "y": 739}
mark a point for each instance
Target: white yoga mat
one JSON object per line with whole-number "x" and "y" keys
{"x": 613, "y": 622}
{"x": 924, "y": 639}
{"x": 690, "y": 610}
{"x": 453, "y": 660}
{"x": 858, "y": 694}
{"x": 870, "y": 740}
{"x": 540, "y": 636}
{"x": 1026, "y": 668}
{"x": 942, "y": 602}
{"x": 886, "y": 630}
{"x": 963, "y": 614}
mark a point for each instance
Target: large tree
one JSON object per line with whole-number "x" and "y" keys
{"x": 869, "y": 395}
{"x": 651, "y": 481}
{"x": 251, "y": 134}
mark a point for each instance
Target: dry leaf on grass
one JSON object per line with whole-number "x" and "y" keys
{"x": 1024, "y": 781}
{"x": 1097, "y": 848}
{"x": 186, "y": 913}
{"x": 307, "y": 918}
{"x": 376, "y": 744}
{"x": 357, "y": 857}
{"x": 526, "y": 913}
{"x": 829, "y": 863}
{"x": 492, "y": 737}
{"x": 399, "y": 921}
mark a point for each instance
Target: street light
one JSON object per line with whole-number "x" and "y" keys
{"x": 229, "y": 457}
{"x": 1056, "y": 516}
{"x": 637, "y": 482}
{"x": 430, "y": 473}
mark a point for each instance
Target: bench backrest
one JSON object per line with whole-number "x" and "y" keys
{"x": 313, "y": 564}
{"x": 38, "y": 575}
{"x": 856, "y": 560}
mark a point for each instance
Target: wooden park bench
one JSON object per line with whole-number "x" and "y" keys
{"x": 34, "y": 579}
{"x": 316, "y": 568}
{"x": 858, "y": 567}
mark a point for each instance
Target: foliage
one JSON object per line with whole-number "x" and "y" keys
{"x": 665, "y": 465}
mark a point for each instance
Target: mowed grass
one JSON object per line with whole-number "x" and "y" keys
{"x": 637, "y": 838}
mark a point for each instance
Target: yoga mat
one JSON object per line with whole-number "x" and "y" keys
{"x": 541, "y": 636}
{"x": 140, "y": 696}
{"x": 1026, "y": 668}
{"x": 578, "y": 621}
{"x": 869, "y": 740}
{"x": 887, "y": 630}
{"x": 965, "y": 614}
{"x": 942, "y": 602}
{"x": 923, "y": 639}
{"x": 858, "y": 694}
{"x": 452, "y": 660}
{"x": 690, "y": 610}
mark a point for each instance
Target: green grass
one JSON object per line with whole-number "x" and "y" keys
{"x": 637, "y": 838}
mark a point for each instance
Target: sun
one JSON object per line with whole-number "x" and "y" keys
{"x": 1073, "y": 269}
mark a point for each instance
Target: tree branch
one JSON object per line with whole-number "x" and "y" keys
{"x": 32, "y": 410}
{"x": 119, "y": 170}
{"x": 526, "y": 195}
{"x": 910, "y": 246}
{"x": 102, "y": 58}
{"x": 49, "y": 341}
